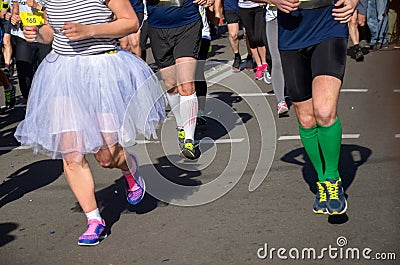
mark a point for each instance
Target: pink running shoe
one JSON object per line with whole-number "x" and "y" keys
{"x": 265, "y": 67}
{"x": 135, "y": 185}
{"x": 94, "y": 233}
{"x": 282, "y": 108}
{"x": 259, "y": 73}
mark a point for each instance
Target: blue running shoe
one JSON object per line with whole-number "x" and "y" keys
{"x": 336, "y": 201}
{"x": 93, "y": 234}
{"x": 320, "y": 200}
{"x": 135, "y": 183}
{"x": 136, "y": 192}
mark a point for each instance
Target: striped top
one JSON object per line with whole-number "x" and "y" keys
{"x": 88, "y": 12}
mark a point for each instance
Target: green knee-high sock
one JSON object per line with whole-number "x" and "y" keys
{"x": 330, "y": 139}
{"x": 309, "y": 138}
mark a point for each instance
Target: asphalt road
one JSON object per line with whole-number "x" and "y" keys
{"x": 210, "y": 216}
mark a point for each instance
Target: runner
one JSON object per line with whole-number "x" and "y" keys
{"x": 7, "y": 47}
{"x": 277, "y": 80}
{"x": 175, "y": 34}
{"x": 28, "y": 56}
{"x": 253, "y": 19}
{"x": 81, "y": 93}
{"x": 9, "y": 89}
{"x": 200, "y": 81}
{"x": 313, "y": 58}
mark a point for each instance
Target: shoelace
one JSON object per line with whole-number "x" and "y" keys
{"x": 322, "y": 193}
{"x": 333, "y": 190}
{"x": 189, "y": 146}
{"x": 181, "y": 134}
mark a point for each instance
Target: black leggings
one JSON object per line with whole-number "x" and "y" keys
{"x": 28, "y": 56}
{"x": 253, "y": 19}
{"x": 200, "y": 80}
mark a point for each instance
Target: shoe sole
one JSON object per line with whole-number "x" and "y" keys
{"x": 321, "y": 211}
{"x": 101, "y": 237}
{"x": 188, "y": 154}
{"x": 283, "y": 111}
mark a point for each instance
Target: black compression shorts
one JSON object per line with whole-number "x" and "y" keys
{"x": 301, "y": 66}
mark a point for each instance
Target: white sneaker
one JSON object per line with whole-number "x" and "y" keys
{"x": 282, "y": 108}
{"x": 267, "y": 77}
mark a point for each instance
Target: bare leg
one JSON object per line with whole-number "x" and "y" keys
{"x": 80, "y": 180}
{"x": 233, "y": 30}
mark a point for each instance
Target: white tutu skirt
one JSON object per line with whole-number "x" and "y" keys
{"x": 79, "y": 104}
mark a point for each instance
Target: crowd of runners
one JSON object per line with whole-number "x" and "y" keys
{"x": 82, "y": 64}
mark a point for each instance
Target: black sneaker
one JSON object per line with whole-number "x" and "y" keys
{"x": 250, "y": 63}
{"x": 10, "y": 96}
{"x": 359, "y": 55}
{"x": 236, "y": 64}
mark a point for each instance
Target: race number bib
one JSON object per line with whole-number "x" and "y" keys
{"x": 32, "y": 18}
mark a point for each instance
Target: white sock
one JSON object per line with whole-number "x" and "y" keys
{"x": 174, "y": 100}
{"x": 189, "y": 108}
{"x": 95, "y": 214}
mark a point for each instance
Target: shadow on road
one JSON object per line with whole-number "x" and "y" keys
{"x": 112, "y": 199}
{"x": 5, "y": 229}
{"x": 9, "y": 118}
{"x": 216, "y": 129}
{"x": 351, "y": 158}
{"x": 29, "y": 178}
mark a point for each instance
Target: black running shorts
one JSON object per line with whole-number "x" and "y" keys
{"x": 231, "y": 17}
{"x": 301, "y": 66}
{"x": 170, "y": 44}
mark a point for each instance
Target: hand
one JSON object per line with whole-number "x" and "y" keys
{"x": 75, "y": 31}
{"x": 31, "y": 33}
{"x": 362, "y": 19}
{"x": 31, "y": 3}
{"x": 15, "y": 19}
{"x": 286, "y": 6}
{"x": 205, "y": 3}
{"x": 343, "y": 10}
{"x": 8, "y": 16}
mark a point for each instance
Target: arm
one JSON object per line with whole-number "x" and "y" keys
{"x": 205, "y": 3}
{"x": 3, "y": 13}
{"x": 126, "y": 22}
{"x": 218, "y": 8}
{"x": 34, "y": 4}
{"x": 15, "y": 19}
